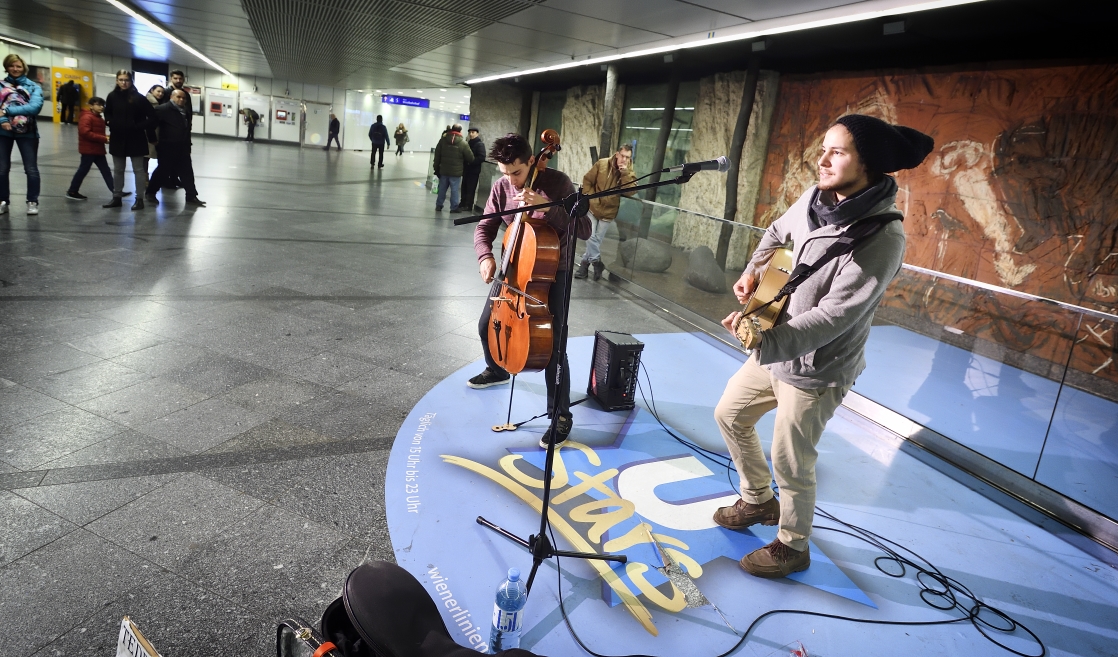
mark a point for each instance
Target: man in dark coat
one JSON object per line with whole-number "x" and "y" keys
{"x": 333, "y": 132}
{"x": 173, "y": 146}
{"x": 472, "y": 171}
{"x": 378, "y": 134}
{"x": 69, "y": 99}
{"x": 452, "y": 155}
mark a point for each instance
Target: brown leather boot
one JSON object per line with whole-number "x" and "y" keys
{"x": 598, "y": 269}
{"x": 583, "y": 269}
{"x": 743, "y": 514}
{"x": 775, "y": 560}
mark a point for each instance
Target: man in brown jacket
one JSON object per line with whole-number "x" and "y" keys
{"x": 607, "y": 173}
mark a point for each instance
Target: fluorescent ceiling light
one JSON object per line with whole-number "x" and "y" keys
{"x": 823, "y": 18}
{"x": 22, "y": 43}
{"x": 167, "y": 35}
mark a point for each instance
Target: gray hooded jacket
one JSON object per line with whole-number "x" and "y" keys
{"x": 822, "y": 340}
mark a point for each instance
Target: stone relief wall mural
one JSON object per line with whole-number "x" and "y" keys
{"x": 1020, "y": 193}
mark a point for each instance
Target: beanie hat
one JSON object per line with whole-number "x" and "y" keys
{"x": 886, "y": 148}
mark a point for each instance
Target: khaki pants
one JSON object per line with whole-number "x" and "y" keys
{"x": 801, "y": 415}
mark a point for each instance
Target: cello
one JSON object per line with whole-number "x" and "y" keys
{"x": 522, "y": 329}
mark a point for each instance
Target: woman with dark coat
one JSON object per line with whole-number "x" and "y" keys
{"x": 131, "y": 126}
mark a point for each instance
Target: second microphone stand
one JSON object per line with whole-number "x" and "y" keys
{"x": 576, "y": 205}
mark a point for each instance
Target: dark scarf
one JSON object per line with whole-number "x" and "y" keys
{"x": 850, "y": 209}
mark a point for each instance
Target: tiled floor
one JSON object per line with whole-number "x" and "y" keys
{"x": 196, "y": 406}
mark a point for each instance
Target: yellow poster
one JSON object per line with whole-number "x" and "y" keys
{"x": 83, "y": 83}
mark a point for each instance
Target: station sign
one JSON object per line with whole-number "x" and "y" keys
{"x": 405, "y": 100}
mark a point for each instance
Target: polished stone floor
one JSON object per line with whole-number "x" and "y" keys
{"x": 196, "y": 406}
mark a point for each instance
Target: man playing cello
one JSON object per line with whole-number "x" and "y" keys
{"x": 515, "y": 161}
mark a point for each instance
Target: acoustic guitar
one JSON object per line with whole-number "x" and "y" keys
{"x": 774, "y": 277}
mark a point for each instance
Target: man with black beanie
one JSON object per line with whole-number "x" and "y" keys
{"x": 805, "y": 364}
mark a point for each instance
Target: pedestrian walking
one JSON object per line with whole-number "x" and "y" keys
{"x": 332, "y": 134}
{"x": 91, "y": 146}
{"x": 20, "y": 102}
{"x": 173, "y": 144}
{"x": 130, "y": 118}
{"x": 178, "y": 80}
{"x": 451, "y": 157}
{"x": 378, "y": 134}
{"x": 401, "y": 138}
{"x": 472, "y": 171}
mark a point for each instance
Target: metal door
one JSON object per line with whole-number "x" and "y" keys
{"x": 316, "y": 124}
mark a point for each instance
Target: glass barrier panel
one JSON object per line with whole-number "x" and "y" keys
{"x": 675, "y": 253}
{"x": 486, "y": 177}
{"x": 980, "y": 367}
{"x": 1080, "y": 458}
{"x": 432, "y": 180}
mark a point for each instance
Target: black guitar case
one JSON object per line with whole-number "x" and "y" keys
{"x": 385, "y": 612}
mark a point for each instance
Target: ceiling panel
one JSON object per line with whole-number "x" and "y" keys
{"x": 667, "y": 17}
{"x": 370, "y": 43}
{"x": 758, "y": 10}
{"x": 46, "y": 27}
{"x": 328, "y": 40}
{"x": 209, "y": 37}
{"x": 546, "y": 22}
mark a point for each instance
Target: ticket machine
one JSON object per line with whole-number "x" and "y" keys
{"x": 220, "y": 110}
{"x": 285, "y": 119}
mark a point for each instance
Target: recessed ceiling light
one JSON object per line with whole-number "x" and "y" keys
{"x": 31, "y": 45}
{"x": 442, "y": 89}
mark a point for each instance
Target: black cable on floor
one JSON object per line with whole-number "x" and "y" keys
{"x": 936, "y": 589}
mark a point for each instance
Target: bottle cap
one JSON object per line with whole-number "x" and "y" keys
{"x": 514, "y": 574}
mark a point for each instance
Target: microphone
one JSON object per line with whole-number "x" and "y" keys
{"x": 721, "y": 164}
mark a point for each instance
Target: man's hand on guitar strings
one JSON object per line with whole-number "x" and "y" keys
{"x": 728, "y": 323}
{"x": 745, "y": 286}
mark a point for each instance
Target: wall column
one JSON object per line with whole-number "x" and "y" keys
{"x": 605, "y": 143}
{"x": 662, "y": 138}
{"x": 749, "y": 92}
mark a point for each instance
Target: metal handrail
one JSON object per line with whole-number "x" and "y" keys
{"x": 1014, "y": 293}
{"x": 1098, "y": 314}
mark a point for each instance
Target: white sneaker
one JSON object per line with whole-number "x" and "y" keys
{"x": 3, "y": 207}
{"x": 32, "y": 207}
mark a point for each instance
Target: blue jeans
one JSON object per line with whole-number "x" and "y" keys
{"x": 455, "y": 184}
{"x": 29, "y": 151}
{"x": 594, "y": 244}
{"x": 87, "y": 162}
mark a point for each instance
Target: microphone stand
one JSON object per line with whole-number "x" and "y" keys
{"x": 576, "y": 205}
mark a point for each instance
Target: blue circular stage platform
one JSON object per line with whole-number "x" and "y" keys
{"x": 622, "y": 486}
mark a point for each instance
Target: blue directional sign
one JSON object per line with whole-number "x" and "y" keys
{"x": 405, "y": 100}
{"x": 463, "y": 117}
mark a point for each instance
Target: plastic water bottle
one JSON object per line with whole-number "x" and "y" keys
{"x": 508, "y": 613}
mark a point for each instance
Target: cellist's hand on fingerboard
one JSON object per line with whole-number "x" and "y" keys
{"x": 531, "y": 197}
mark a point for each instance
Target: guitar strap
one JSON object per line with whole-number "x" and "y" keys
{"x": 847, "y": 242}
